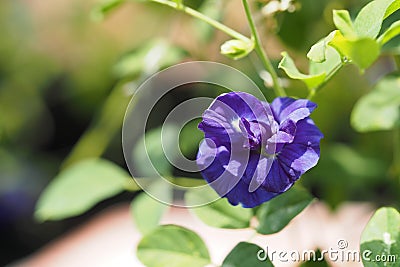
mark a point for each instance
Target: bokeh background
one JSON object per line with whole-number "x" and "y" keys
{"x": 67, "y": 74}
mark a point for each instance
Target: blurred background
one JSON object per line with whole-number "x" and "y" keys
{"x": 67, "y": 74}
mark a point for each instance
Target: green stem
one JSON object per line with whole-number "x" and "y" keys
{"x": 279, "y": 91}
{"x": 334, "y": 71}
{"x": 198, "y": 15}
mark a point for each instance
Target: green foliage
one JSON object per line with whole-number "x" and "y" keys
{"x": 343, "y": 164}
{"x": 190, "y": 137}
{"x": 244, "y": 254}
{"x": 355, "y": 41}
{"x": 319, "y": 50}
{"x": 379, "y": 109}
{"x": 381, "y": 237}
{"x": 172, "y": 245}
{"x": 392, "y": 8}
{"x": 361, "y": 51}
{"x": 148, "y": 58}
{"x": 390, "y": 33}
{"x": 369, "y": 20}
{"x": 149, "y": 152}
{"x": 147, "y": 211}
{"x": 343, "y": 22}
{"x": 291, "y": 70}
{"x": 313, "y": 263}
{"x": 81, "y": 186}
{"x": 275, "y": 214}
{"x": 330, "y": 63}
{"x": 218, "y": 213}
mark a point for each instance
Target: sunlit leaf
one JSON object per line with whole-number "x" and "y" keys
{"x": 380, "y": 109}
{"x": 219, "y": 213}
{"x": 291, "y": 70}
{"x": 79, "y": 187}
{"x": 343, "y": 22}
{"x": 245, "y": 254}
{"x": 275, "y": 214}
{"x": 392, "y": 8}
{"x": 369, "y": 20}
{"x": 332, "y": 61}
{"x": 173, "y": 246}
{"x": 317, "y": 52}
{"x": 390, "y": 33}
{"x": 362, "y": 52}
{"x": 381, "y": 237}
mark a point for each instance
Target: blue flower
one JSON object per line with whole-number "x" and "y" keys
{"x": 254, "y": 151}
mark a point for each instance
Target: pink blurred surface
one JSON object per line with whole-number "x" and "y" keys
{"x": 110, "y": 239}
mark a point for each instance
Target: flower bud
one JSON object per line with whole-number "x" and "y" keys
{"x": 237, "y": 49}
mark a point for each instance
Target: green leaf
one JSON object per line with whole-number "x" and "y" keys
{"x": 315, "y": 263}
{"x": 362, "y": 52}
{"x": 390, "y": 33}
{"x": 219, "y": 213}
{"x": 332, "y": 61}
{"x": 369, "y": 20}
{"x": 149, "y": 156}
{"x": 380, "y": 109}
{"x": 275, "y": 214}
{"x": 381, "y": 237}
{"x": 315, "y": 260}
{"x": 79, "y": 187}
{"x": 147, "y": 59}
{"x": 237, "y": 49}
{"x": 246, "y": 254}
{"x": 186, "y": 181}
{"x": 342, "y": 21}
{"x": 190, "y": 138}
{"x": 104, "y": 7}
{"x": 392, "y": 8}
{"x": 291, "y": 70}
{"x": 317, "y": 52}
{"x": 172, "y": 245}
{"x": 147, "y": 211}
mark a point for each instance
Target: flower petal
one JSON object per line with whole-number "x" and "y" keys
{"x": 279, "y": 178}
{"x": 291, "y": 109}
{"x": 308, "y": 133}
{"x": 300, "y": 158}
{"x": 224, "y": 170}
{"x": 246, "y": 106}
{"x": 240, "y": 194}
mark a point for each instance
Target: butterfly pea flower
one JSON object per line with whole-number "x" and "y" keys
{"x": 254, "y": 151}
